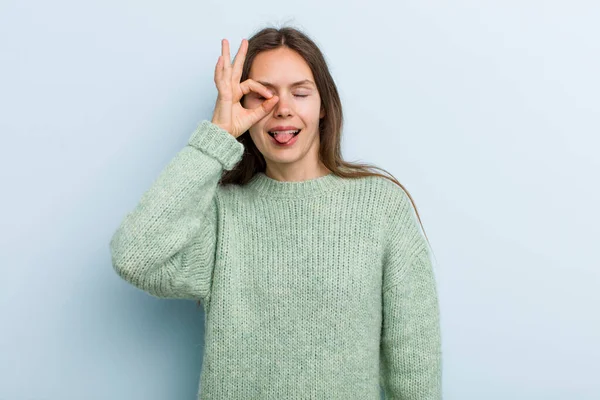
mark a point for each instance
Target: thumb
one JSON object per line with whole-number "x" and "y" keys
{"x": 264, "y": 108}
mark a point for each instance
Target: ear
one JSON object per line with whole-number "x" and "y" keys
{"x": 322, "y": 114}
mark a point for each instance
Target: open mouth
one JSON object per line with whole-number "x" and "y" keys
{"x": 284, "y": 138}
{"x": 295, "y": 133}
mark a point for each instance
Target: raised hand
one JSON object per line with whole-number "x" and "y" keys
{"x": 229, "y": 113}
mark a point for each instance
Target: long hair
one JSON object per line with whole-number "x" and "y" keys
{"x": 330, "y": 126}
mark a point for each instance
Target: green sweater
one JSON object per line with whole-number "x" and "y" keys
{"x": 319, "y": 289}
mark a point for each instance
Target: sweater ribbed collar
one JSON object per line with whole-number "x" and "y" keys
{"x": 265, "y": 185}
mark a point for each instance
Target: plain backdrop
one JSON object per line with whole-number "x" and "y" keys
{"x": 487, "y": 111}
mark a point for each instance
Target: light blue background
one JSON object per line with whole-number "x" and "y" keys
{"x": 488, "y": 112}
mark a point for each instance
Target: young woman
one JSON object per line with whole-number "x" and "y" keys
{"x": 315, "y": 276}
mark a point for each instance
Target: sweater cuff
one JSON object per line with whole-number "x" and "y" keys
{"x": 217, "y": 143}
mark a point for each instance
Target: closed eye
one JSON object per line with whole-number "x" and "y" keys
{"x": 296, "y": 95}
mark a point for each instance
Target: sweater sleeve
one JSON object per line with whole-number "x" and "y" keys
{"x": 166, "y": 244}
{"x": 410, "y": 351}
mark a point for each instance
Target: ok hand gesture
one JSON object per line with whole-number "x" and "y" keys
{"x": 229, "y": 113}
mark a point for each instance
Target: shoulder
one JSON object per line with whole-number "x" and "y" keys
{"x": 391, "y": 195}
{"x": 402, "y": 223}
{"x": 387, "y": 201}
{"x": 228, "y": 193}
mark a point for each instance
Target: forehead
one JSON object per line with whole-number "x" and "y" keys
{"x": 280, "y": 66}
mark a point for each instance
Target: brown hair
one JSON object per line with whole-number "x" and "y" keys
{"x": 330, "y": 127}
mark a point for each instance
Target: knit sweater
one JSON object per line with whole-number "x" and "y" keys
{"x": 314, "y": 289}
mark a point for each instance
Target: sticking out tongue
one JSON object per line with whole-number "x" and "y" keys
{"x": 283, "y": 137}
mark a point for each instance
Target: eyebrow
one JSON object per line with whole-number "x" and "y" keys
{"x": 299, "y": 83}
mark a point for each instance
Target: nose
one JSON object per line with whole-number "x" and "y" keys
{"x": 282, "y": 108}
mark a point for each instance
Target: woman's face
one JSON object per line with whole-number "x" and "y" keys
{"x": 299, "y": 106}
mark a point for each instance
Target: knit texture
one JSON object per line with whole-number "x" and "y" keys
{"x": 318, "y": 289}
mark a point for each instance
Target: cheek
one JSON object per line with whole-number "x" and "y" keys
{"x": 257, "y": 133}
{"x": 315, "y": 106}
{"x": 310, "y": 112}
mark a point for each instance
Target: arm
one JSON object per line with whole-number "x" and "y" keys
{"x": 410, "y": 341}
{"x": 166, "y": 244}
{"x": 411, "y": 358}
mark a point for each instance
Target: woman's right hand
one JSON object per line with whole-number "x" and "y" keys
{"x": 229, "y": 113}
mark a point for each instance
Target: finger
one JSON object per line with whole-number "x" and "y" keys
{"x": 218, "y": 72}
{"x": 238, "y": 62}
{"x": 220, "y": 83}
{"x": 266, "y": 106}
{"x": 226, "y": 60}
{"x": 225, "y": 51}
{"x": 250, "y": 85}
